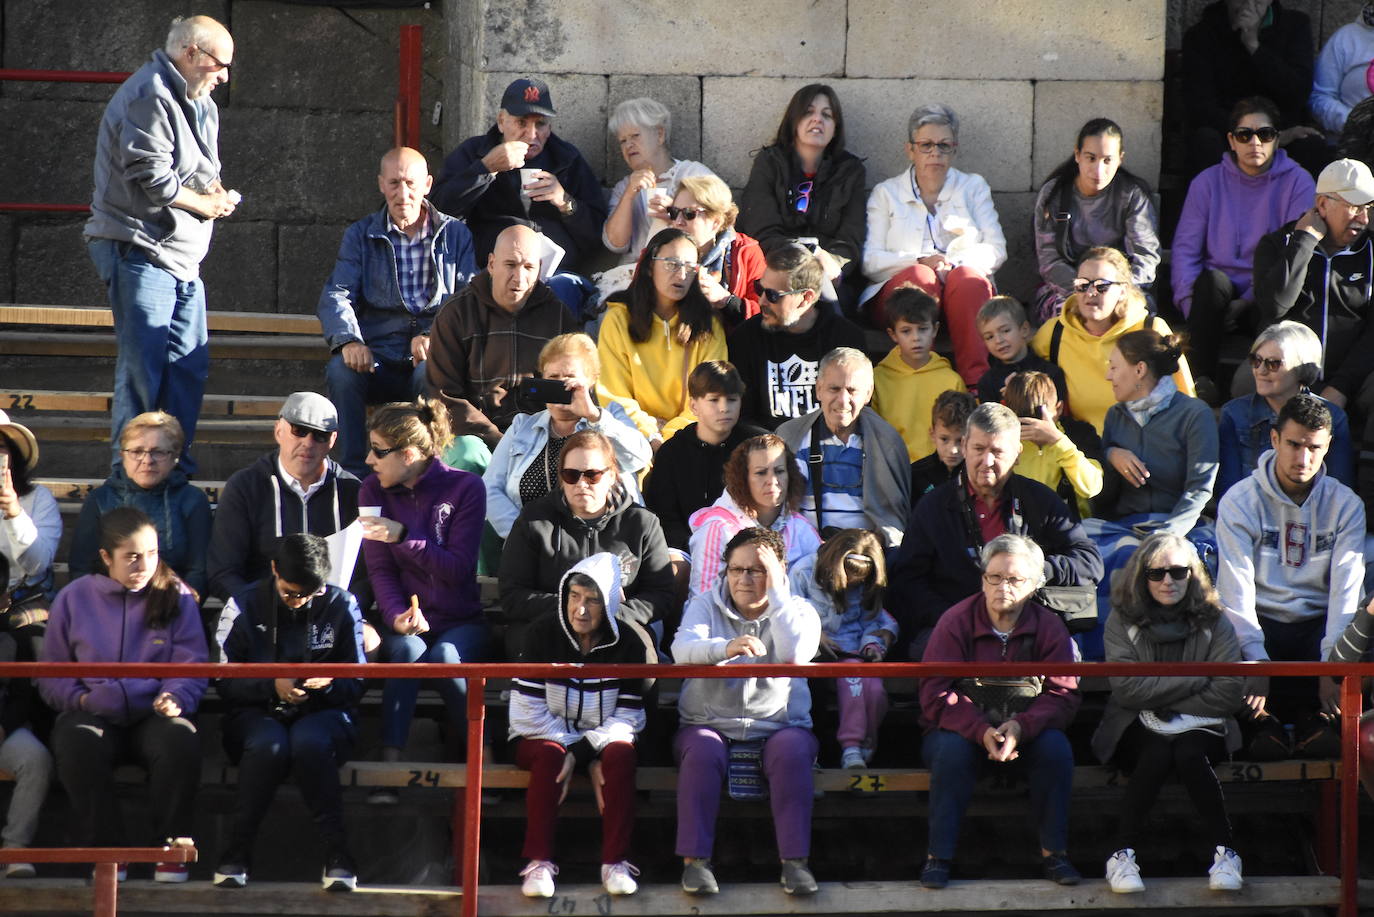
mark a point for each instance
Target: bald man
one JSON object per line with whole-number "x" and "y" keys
{"x": 157, "y": 196}
{"x": 395, "y": 270}
{"x": 488, "y": 337}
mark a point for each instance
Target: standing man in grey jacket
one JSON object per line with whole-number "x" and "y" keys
{"x": 157, "y": 195}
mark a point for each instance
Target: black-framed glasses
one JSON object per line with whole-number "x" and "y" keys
{"x": 382, "y": 453}
{"x": 1264, "y": 364}
{"x": 156, "y": 456}
{"x": 573, "y": 475}
{"x": 927, "y": 147}
{"x": 292, "y": 596}
{"x": 687, "y": 213}
{"x": 678, "y": 266}
{"x": 301, "y": 432}
{"x": 1177, "y": 574}
{"x": 772, "y": 295}
{"x": 219, "y": 64}
{"x": 1265, "y": 134}
{"x": 1101, "y": 285}
{"x": 801, "y": 196}
{"x": 746, "y": 572}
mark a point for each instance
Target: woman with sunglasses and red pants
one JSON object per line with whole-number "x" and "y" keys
{"x": 590, "y": 512}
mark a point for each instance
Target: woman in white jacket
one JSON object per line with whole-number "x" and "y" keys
{"x": 936, "y": 228}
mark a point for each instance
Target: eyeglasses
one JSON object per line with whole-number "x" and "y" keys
{"x": 687, "y": 213}
{"x": 678, "y": 266}
{"x": 1178, "y": 574}
{"x": 1265, "y": 134}
{"x": 148, "y": 455}
{"x": 296, "y": 596}
{"x": 1261, "y": 364}
{"x": 219, "y": 64}
{"x": 382, "y": 453}
{"x": 1352, "y": 209}
{"x": 996, "y": 579}
{"x": 772, "y": 295}
{"x": 301, "y": 432}
{"x": 1083, "y": 285}
{"x": 746, "y": 572}
{"x": 573, "y": 475}
{"x": 927, "y": 147}
{"x": 801, "y": 196}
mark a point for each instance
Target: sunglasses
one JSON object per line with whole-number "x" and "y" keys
{"x": 573, "y": 475}
{"x": 297, "y": 596}
{"x": 1259, "y": 363}
{"x": 772, "y": 295}
{"x": 300, "y": 432}
{"x": 687, "y": 213}
{"x": 1265, "y": 134}
{"x": 1157, "y": 574}
{"x": 219, "y": 64}
{"x": 801, "y": 196}
{"x": 382, "y": 453}
{"x": 1082, "y": 285}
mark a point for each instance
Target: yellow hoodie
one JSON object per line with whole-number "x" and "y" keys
{"x": 1083, "y": 357}
{"x": 1051, "y": 464}
{"x": 649, "y": 379}
{"x": 904, "y": 397}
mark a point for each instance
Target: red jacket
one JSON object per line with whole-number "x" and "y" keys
{"x": 964, "y": 634}
{"x": 746, "y": 265}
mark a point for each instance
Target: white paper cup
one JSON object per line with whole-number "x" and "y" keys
{"x": 369, "y": 512}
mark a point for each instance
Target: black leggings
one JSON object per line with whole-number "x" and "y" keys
{"x": 1150, "y": 757}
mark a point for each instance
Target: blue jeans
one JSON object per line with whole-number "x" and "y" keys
{"x": 573, "y": 290}
{"x": 164, "y": 354}
{"x": 352, "y": 392}
{"x": 954, "y": 763}
{"x": 466, "y": 642}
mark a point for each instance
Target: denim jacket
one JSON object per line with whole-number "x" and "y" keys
{"x": 362, "y": 300}
{"x": 1244, "y": 434}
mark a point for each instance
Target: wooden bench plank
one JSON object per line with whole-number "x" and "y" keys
{"x": 101, "y": 317}
{"x": 65, "y": 896}
{"x": 56, "y": 428}
{"x": 82, "y": 344}
{"x": 17, "y": 401}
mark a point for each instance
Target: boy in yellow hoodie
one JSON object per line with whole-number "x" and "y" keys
{"x": 1069, "y": 465}
{"x": 910, "y": 378}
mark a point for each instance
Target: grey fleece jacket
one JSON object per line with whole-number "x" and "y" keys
{"x": 152, "y": 141}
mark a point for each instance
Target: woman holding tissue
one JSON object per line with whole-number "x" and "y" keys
{"x": 421, "y": 556}
{"x": 936, "y": 228}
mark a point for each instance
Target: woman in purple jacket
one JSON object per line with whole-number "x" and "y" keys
{"x": 421, "y": 550}
{"x": 137, "y": 611}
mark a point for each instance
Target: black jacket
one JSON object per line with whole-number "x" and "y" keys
{"x": 257, "y": 507}
{"x": 937, "y": 566}
{"x": 1219, "y": 72}
{"x": 687, "y": 475}
{"x": 837, "y": 214}
{"x": 779, "y": 369}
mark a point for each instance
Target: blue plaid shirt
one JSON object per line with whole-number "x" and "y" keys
{"x": 414, "y": 267}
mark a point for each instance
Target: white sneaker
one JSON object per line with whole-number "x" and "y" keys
{"x": 618, "y": 878}
{"x": 1224, "y": 876}
{"x": 20, "y": 871}
{"x": 538, "y": 879}
{"x": 1123, "y": 875}
{"x": 852, "y": 759}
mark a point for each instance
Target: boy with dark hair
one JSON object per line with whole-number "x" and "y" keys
{"x": 1007, "y": 333}
{"x": 947, "y": 420}
{"x": 1062, "y": 453}
{"x": 910, "y": 378}
{"x": 688, "y": 469}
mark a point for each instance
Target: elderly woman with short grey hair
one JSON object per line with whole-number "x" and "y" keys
{"x": 1000, "y": 718}
{"x": 639, "y": 202}
{"x": 936, "y": 228}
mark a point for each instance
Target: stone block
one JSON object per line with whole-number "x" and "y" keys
{"x": 664, "y": 36}
{"x": 76, "y": 35}
{"x": 240, "y": 270}
{"x": 1182, "y": 16}
{"x": 1333, "y": 15}
{"x": 48, "y": 148}
{"x": 681, "y": 95}
{"x": 1023, "y": 39}
{"x": 579, "y": 99}
{"x": 305, "y": 256}
{"x": 741, "y": 114}
{"x": 51, "y": 266}
{"x": 6, "y": 259}
{"x": 1062, "y": 107}
{"x": 1019, "y": 276}
{"x": 303, "y": 166}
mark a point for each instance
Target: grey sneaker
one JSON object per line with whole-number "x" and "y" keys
{"x": 797, "y": 878}
{"x": 697, "y": 878}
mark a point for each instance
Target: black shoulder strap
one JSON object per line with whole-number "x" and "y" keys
{"x": 1056, "y": 338}
{"x": 1062, "y": 217}
{"x": 814, "y": 461}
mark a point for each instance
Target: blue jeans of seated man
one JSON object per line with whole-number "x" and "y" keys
{"x": 466, "y": 642}
{"x": 352, "y": 392}
{"x": 954, "y": 764}
{"x": 160, "y": 329}
{"x": 310, "y": 748}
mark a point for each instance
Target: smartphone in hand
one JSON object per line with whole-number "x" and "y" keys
{"x": 544, "y": 391}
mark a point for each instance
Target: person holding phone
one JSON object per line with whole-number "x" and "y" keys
{"x": 30, "y": 522}
{"x": 524, "y": 466}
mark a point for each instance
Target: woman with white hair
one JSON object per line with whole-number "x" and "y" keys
{"x": 639, "y": 201}
{"x": 1285, "y": 359}
{"x": 936, "y": 228}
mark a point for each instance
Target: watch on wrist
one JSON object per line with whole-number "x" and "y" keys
{"x": 569, "y": 207}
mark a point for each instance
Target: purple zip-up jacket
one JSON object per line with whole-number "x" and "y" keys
{"x": 436, "y": 558}
{"x": 1224, "y": 216}
{"x": 95, "y": 619}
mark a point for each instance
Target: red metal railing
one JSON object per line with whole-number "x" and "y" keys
{"x": 107, "y": 861}
{"x": 470, "y": 809}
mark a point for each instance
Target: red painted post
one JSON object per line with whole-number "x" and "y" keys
{"x": 408, "y": 92}
{"x": 106, "y": 889}
{"x": 1350, "y": 795}
{"x": 62, "y": 76}
{"x": 472, "y": 828}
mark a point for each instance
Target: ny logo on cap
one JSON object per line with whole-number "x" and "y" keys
{"x": 531, "y": 93}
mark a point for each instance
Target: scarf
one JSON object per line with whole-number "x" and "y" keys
{"x": 1142, "y": 409}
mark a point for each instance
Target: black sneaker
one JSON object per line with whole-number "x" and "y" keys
{"x": 1060, "y": 871}
{"x": 339, "y": 872}
{"x": 935, "y": 874}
